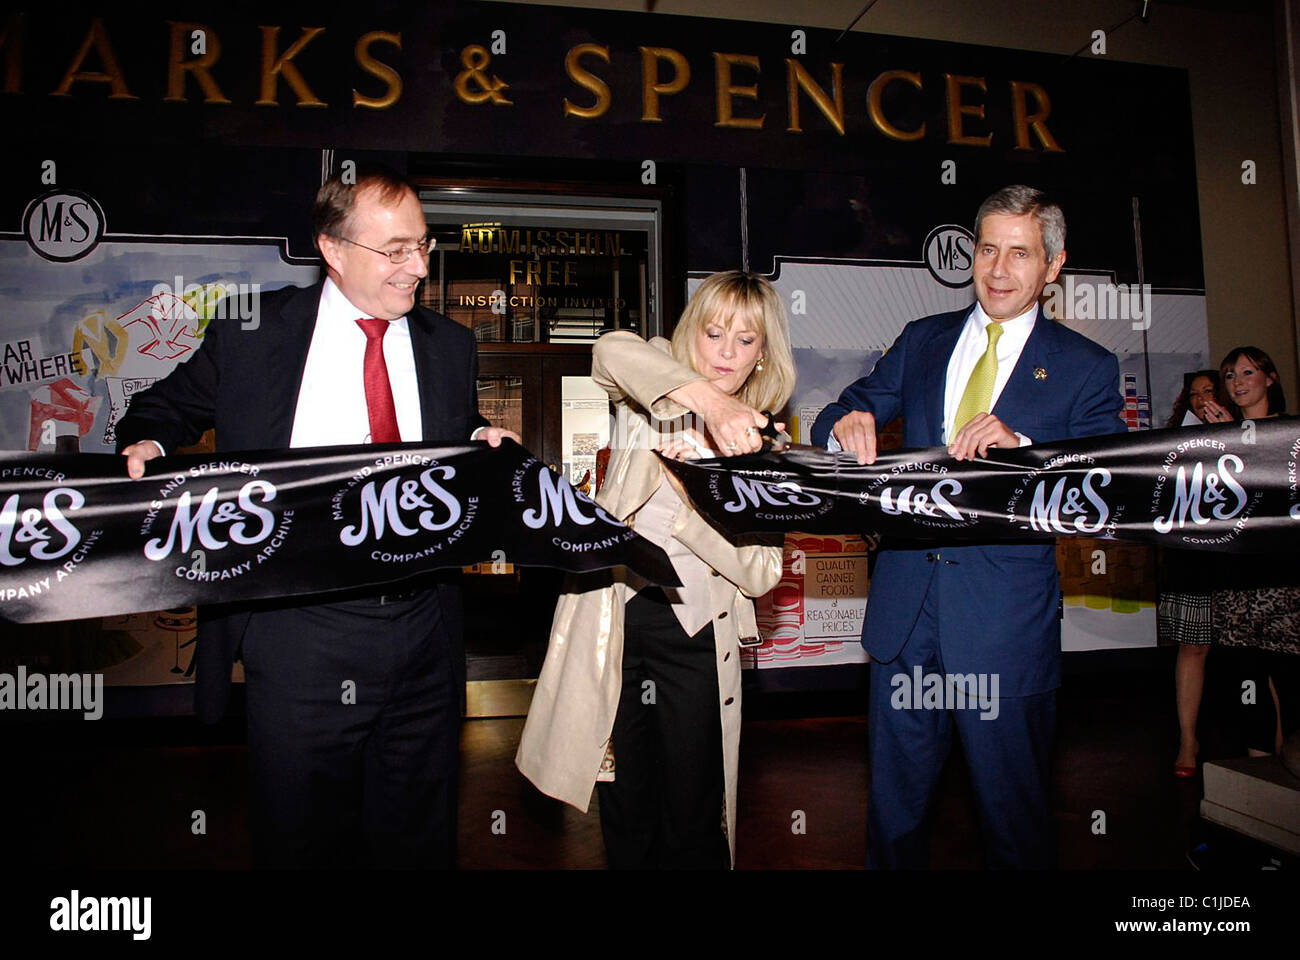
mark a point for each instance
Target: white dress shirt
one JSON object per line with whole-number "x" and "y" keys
{"x": 970, "y": 347}
{"x": 331, "y": 407}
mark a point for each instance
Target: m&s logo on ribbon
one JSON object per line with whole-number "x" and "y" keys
{"x": 203, "y": 525}
{"x": 1210, "y": 489}
{"x": 43, "y": 533}
{"x": 424, "y": 502}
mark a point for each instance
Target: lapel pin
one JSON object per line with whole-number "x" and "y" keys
{"x": 1040, "y": 373}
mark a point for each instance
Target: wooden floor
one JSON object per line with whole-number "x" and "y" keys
{"x": 124, "y": 794}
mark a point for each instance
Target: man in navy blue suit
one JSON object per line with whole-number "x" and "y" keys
{"x": 996, "y": 375}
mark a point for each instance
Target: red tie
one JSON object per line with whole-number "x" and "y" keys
{"x": 379, "y": 392}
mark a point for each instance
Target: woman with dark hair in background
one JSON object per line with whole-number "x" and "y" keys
{"x": 1187, "y": 580}
{"x": 1255, "y": 608}
{"x": 1203, "y": 398}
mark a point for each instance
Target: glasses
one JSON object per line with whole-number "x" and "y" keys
{"x": 401, "y": 254}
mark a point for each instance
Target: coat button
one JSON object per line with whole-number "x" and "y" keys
{"x": 728, "y": 702}
{"x": 714, "y": 573}
{"x": 929, "y": 558}
{"x": 722, "y": 615}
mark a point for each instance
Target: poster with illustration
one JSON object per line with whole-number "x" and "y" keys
{"x": 90, "y": 319}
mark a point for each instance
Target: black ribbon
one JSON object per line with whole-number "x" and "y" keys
{"x": 78, "y": 538}
{"x": 1228, "y": 487}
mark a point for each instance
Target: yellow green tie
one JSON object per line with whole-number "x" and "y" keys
{"x": 978, "y": 396}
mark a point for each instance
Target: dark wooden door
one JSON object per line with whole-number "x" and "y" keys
{"x": 508, "y": 616}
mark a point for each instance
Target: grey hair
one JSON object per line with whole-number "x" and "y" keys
{"x": 1018, "y": 200}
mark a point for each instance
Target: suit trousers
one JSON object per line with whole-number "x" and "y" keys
{"x": 1007, "y": 756}
{"x": 353, "y": 727}
{"x": 664, "y": 808}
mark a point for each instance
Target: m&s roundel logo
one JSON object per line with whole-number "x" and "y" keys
{"x": 949, "y": 254}
{"x": 63, "y": 225}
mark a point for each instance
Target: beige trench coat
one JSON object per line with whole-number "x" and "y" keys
{"x": 572, "y": 715}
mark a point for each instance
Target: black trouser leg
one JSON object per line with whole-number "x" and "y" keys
{"x": 352, "y": 735}
{"x": 665, "y": 805}
{"x": 629, "y": 805}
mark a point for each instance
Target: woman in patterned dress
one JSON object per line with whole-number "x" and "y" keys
{"x": 1183, "y": 614}
{"x": 1255, "y": 609}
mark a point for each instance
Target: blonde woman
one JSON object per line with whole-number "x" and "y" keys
{"x": 641, "y": 686}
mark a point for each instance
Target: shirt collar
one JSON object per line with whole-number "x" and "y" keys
{"x": 336, "y": 307}
{"x": 1021, "y": 324}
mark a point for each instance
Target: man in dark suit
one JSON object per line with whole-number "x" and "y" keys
{"x": 353, "y": 701}
{"x": 997, "y": 375}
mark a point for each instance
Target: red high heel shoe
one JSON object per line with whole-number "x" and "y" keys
{"x": 1185, "y": 772}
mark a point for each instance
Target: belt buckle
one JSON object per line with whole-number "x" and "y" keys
{"x": 385, "y": 599}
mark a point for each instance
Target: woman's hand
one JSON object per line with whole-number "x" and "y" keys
{"x": 679, "y": 450}
{"x": 1214, "y": 413}
{"x": 732, "y": 426}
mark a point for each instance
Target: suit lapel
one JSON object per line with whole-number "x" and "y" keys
{"x": 426, "y": 342}
{"x": 287, "y": 358}
{"x": 1023, "y": 386}
{"x": 934, "y": 361}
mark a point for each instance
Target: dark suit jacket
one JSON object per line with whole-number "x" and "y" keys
{"x": 245, "y": 384}
{"x": 999, "y": 603}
